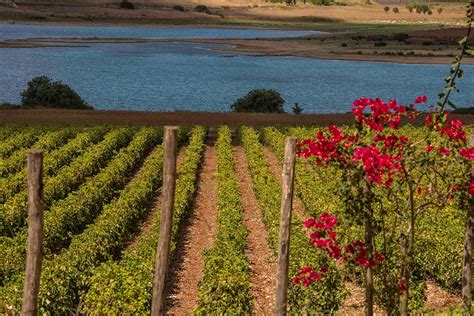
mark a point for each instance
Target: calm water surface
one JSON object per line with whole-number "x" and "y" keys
{"x": 192, "y": 76}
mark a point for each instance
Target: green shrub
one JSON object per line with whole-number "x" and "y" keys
{"x": 125, "y": 287}
{"x": 321, "y": 2}
{"x": 386, "y": 9}
{"x": 395, "y": 10}
{"x": 178, "y": 8}
{"x": 440, "y": 10}
{"x": 400, "y": 37}
{"x": 380, "y": 44}
{"x": 468, "y": 110}
{"x": 260, "y": 101}
{"x": 297, "y": 109}
{"x": 201, "y": 8}
{"x": 8, "y": 106}
{"x": 410, "y": 6}
{"x": 127, "y": 5}
{"x": 42, "y": 91}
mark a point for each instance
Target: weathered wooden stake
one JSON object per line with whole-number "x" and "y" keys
{"x": 35, "y": 233}
{"x": 169, "y": 182}
{"x": 467, "y": 260}
{"x": 285, "y": 225}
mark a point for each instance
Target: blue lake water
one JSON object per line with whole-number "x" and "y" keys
{"x": 192, "y": 76}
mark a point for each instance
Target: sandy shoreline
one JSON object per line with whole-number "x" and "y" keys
{"x": 355, "y": 32}
{"x": 306, "y": 47}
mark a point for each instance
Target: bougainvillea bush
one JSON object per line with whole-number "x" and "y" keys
{"x": 389, "y": 179}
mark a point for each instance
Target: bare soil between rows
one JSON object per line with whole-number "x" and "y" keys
{"x": 259, "y": 254}
{"x": 198, "y": 234}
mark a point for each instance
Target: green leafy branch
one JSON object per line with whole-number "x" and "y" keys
{"x": 456, "y": 71}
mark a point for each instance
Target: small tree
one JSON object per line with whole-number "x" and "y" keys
{"x": 425, "y": 9}
{"x": 386, "y": 9}
{"x": 201, "y": 8}
{"x": 440, "y": 10}
{"x": 297, "y": 109}
{"x": 42, "y": 91}
{"x": 178, "y": 8}
{"x": 395, "y": 10}
{"x": 260, "y": 100}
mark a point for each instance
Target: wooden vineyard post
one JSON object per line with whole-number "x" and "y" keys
{"x": 163, "y": 250}
{"x": 467, "y": 259}
{"x": 285, "y": 226}
{"x": 35, "y": 233}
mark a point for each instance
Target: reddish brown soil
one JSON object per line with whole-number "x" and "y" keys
{"x": 199, "y": 234}
{"x": 80, "y": 117}
{"x": 437, "y": 299}
{"x": 354, "y": 303}
{"x": 261, "y": 257}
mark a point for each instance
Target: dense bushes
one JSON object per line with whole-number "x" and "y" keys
{"x": 260, "y": 100}
{"x": 20, "y": 140}
{"x": 13, "y": 212}
{"x": 201, "y": 8}
{"x": 178, "y": 8}
{"x": 8, "y": 106}
{"x": 64, "y": 275}
{"x": 54, "y": 161}
{"x": 125, "y": 286}
{"x": 42, "y": 91}
{"x": 468, "y": 110}
{"x": 47, "y": 142}
{"x": 127, "y": 5}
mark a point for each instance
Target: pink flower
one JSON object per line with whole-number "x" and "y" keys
{"x": 309, "y": 222}
{"x": 379, "y": 256}
{"x": 467, "y": 153}
{"x": 402, "y": 287}
{"x": 421, "y": 99}
{"x": 444, "y": 151}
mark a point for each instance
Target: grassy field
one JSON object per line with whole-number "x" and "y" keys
{"x": 102, "y": 210}
{"x": 352, "y": 16}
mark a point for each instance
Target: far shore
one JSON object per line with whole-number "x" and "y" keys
{"x": 324, "y": 46}
{"x": 211, "y": 119}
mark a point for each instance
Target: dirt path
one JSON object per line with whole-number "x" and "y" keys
{"x": 438, "y": 299}
{"x": 262, "y": 260}
{"x": 198, "y": 234}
